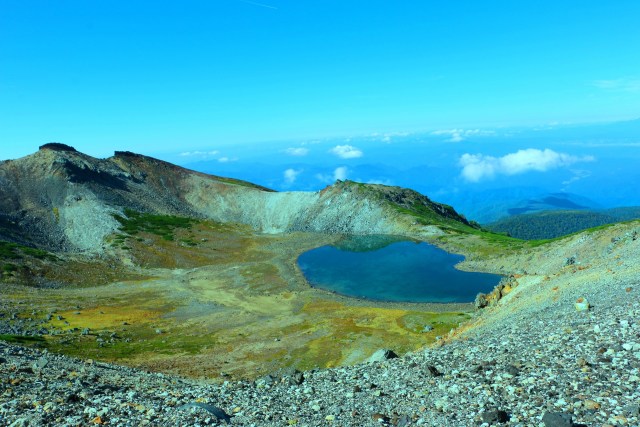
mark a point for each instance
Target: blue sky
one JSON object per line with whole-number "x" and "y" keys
{"x": 165, "y": 77}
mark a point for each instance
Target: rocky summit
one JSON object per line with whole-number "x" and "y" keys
{"x": 556, "y": 344}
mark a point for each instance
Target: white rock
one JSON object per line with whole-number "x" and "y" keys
{"x": 582, "y": 304}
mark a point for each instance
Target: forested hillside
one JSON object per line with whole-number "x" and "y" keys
{"x": 550, "y": 224}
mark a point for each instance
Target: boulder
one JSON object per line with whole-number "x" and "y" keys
{"x": 381, "y": 355}
{"x": 481, "y": 300}
{"x": 557, "y": 419}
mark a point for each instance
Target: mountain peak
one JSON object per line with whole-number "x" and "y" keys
{"x": 57, "y": 146}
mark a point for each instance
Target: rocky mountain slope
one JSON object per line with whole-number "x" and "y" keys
{"x": 63, "y": 200}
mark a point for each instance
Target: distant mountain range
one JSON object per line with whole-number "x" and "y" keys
{"x": 596, "y": 162}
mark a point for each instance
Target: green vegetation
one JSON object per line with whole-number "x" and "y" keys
{"x": 36, "y": 253}
{"x": 626, "y": 213}
{"x": 9, "y": 250}
{"x": 540, "y": 242}
{"x": 241, "y": 183}
{"x": 9, "y": 268}
{"x": 550, "y": 224}
{"x": 161, "y": 225}
{"x": 21, "y": 339}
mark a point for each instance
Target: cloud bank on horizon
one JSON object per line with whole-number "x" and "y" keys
{"x": 478, "y": 167}
{"x": 458, "y": 135}
{"x": 297, "y": 151}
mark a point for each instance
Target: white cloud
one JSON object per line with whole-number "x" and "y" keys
{"x": 607, "y": 144}
{"x": 476, "y": 167}
{"x": 323, "y": 177}
{"x": 199, "y": 153}
{"x": 380, "y": 181}
{"x": 388, "y": 136}
{"x": 346, "y": 151}
{"x": 290, "y": 175}
{"x": 340, "y": 173}
{"x": 619, "y": 85}
{"x": 457, "y": 135}
{"x": 577, "y": 176}
{"x": 297, "y": 151}
{"x": 226, "y": 159}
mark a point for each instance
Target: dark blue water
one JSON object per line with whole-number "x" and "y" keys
{"x": 393, "y": 271}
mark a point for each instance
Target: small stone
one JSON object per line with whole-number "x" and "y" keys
{"x": 513, "y": 370}
{"x": 316, "y": 407}
{"x": 403, "y": 421}
{"x": 557, "y": 419}
{"x": 40, "y": 363}
{"x": 330, "y": 417}
{"x": 213, "y": 410}
{"x": 381, "y": 418}
{"x": 495, "y": 416}
{"x": 591, "y": 405}
{"x": 295, "y": 377}
{"x": 582, "y": 304}
{"x": 433, "y": 371}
